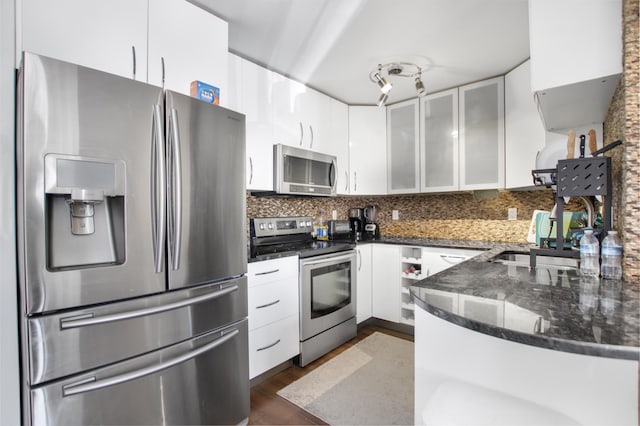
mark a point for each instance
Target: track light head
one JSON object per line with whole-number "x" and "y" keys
{"x": 385, "y": 86}
{"x": 382, "y": 100}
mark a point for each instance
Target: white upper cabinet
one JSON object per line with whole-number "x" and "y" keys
{"x": 481, "y": 135}
{"x": 97, "y": 34}
{"x": 186, "y": 43}
{"x": 338, "y": 143}
{"x": 403, "y": 157}
{"x": 524, "y": 133}
{"x": 576, "y": 59}
{"x": 257, "y": 105}
{"x": 122, "y": 35}
{"x": 301, "y": 115}
{"x": 367, "y": 150}
{"x": 439, "y": 142}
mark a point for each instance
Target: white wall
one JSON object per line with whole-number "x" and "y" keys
{"x": 9, "y": 374}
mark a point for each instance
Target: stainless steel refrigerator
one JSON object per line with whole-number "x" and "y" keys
{"x": 131, "y": 249}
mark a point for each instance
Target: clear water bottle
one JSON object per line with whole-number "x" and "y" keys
{"x": 589, "y": 254}
{"x": 611, "y": 257}
{"x": 322, "y": 231}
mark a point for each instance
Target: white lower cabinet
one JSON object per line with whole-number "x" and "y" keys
{"x": 274, "y": 333}
{"x": 395, "y": 268}
{"x": 364, "y": 283}
{"x": 436, "y": 259}
{"x": 385, "y": 282}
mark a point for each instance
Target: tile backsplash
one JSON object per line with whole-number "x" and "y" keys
{"x": 461, "y": 215}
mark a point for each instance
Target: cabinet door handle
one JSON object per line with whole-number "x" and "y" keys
{"x": 359, "y": 260}
{"x": 162, "y": 64}
{"x": 346, "y": 180}
{"x": 268, "y": 346}
{"x": 268, "y": 272}
{"x": 355, "y": 181}
{"x": 250, "y": 170}
{"x": 133, "y": 53}
{"x": 311, "y": 133}
{"x": 301, "y": 132}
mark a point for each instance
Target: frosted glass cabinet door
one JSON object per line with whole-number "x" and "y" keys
{"x": 482, "y": 135}
{"x": 403, "y": 161}
{"x": 439, "y": 142}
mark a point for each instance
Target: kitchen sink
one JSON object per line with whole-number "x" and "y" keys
{"x": 518, "y": 258}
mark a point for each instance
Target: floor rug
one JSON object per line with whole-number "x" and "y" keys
{"x": 371, "y": 383}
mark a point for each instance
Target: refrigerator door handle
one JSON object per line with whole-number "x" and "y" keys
{"x": 175, "y": 168}
{"x": 89, "y": 319}
{"x": 158, "y": 185}
{"x": 90, "y": 384}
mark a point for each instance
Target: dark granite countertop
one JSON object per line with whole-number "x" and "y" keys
{"x": 546, "y": 307}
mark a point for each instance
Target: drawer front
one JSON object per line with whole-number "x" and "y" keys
{"x": 186, "y": 383}
{"x": 273, "y": 344}
{"x": 272, "y": 302}
{"x": 272, "y": 270}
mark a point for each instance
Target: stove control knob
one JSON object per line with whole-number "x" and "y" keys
{"x": 302, "y": 224}
{"x": 309, "y": 223}
{"x": 270, "y": 225}
{"x": 261, "y": 227}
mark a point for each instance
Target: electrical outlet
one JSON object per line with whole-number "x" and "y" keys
{"x": 334, "y": 214}
{"x": 513, "y": 213}
{"x": 395, "y": 215}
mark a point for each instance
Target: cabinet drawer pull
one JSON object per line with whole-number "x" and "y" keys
{"x": 268, "y": 346}
{"x": 268, "y": 304}
{"x": 456, "y": 259}
{"x": 268, "y": 272}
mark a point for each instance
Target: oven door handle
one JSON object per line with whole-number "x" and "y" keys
{"x": 332, "y": 259}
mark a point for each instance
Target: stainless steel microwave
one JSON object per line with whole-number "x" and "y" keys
{"x": 299, "y": 171}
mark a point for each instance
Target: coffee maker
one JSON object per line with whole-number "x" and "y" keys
{"x": 356, "y": 220}
{"x": 371, "y": 228}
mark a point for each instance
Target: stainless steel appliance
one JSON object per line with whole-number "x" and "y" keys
{"x": 340, "y": 230}
{"x": 356, "y": 218}
{"x": 303, "y": 172}
{"x": 327, "y": 281}
{"x": 371, "y": 228}
{"x": 132, "y": 261}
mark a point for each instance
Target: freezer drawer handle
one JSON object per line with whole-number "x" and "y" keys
{"x": 91, "y": 384}
{"x": 268, "y": 304}
{"x": 90, "y": 319}
{"x": 268, "y": 346}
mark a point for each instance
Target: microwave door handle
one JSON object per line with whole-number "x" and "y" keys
{"x": 176, "y": 190}
{"x": 158, "y": 184}
{"x": 333, "y": 172}
{"x": 90, "y": 383}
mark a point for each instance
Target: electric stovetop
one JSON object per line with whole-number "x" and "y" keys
{"x": 290, "y": 235}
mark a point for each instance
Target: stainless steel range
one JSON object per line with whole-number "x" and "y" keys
{"x": 327, "y": 279}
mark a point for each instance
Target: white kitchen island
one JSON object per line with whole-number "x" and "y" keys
{"x": 507, "y": 346}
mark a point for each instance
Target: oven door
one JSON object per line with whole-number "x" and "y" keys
{"x": 327, "y": 293}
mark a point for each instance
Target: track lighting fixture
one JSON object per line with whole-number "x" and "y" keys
{"x": 420, "y": 87}
{"x": 396, "y": 69}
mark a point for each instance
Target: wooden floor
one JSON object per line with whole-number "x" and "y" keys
{"x": 267, "y": 408}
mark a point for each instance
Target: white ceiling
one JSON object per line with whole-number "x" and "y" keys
{"x": 332, "y": 45}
